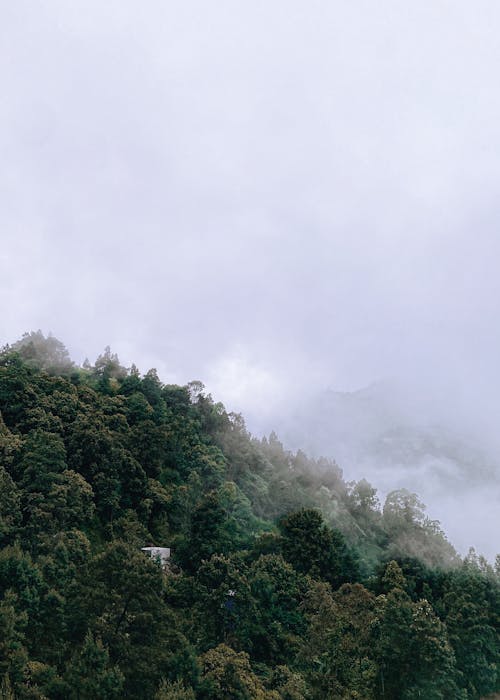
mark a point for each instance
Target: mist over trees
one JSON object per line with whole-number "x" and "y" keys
{"x": 404, "y": 436}
{"x": 286, "y": 580}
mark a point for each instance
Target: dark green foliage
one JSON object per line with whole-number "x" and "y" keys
{"x": 471, "y": 609}
{"x": 337, "y": 652}
{"x": 13, "y": 655}
{"x": 10, "y": 507}
{"x": 208, "y": 534}
{"x": 285, "y": 581}
{"x": 312, "y": 547}
{"x": 228, "y": 674}
{"x": 174, "y": 691}
{"x": 90, "y": 675}
{"x": 277, "y": 623}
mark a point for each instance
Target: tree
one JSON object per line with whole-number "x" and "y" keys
{"x": 91, "y": 675}
{"x": 471, "y": 605}
{"x": 433, "y": 661}
{"x": 17, "y": 390}
{"x": 42, "y": 456}
{"x": 47, "y": 353}
{"x": 10, "y": 443}
{"x": 68, "y": 503}
{"x": 13, "y": 655}
{"x": 228, "y": 674}
{"x": 413, "y": 534}
{"x": 289, "y": 684}
{"x": 107, "y": 367}
{"x": 10, "y": 507}
{"x": 414, "y": 653}
{"x": 174, "y": 690}
{"x": 6, "y": 692}
{"x": 209, "y": 533}
{"x": 337, "y": 653}
{"x": 393, "y": 577}
{"x": 277, "y": 623}
{"x": 312, "y": 547}
{"x": 92, "y": 452}
{"x": 18, "y": 573}
{"x": 121, "y": 600}
{"x": 223, "y": 603}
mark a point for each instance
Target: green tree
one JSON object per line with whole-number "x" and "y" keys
{"x": 227, "y": 674}
{"x": 289, "y": 684}
{"x": 414, "y": 653}
{"x": 91, "y": 675}
{"x": 108, "y": 370}
{"x": 337, "y": 653}
{"x": 312, "y": 547}
{"x": 47, "y": 353}
{"x": 174, "y": 690}
{"x": 68, "y": 503}
{"x": 210, "y": 532}
{"x": 412, "y": 533}
{"x": 13, "y": 655}
{"x": 121, "y": 600}
{"x": 471, "y": 605}
{"x": 42, "y": 456}
{"x": 20, "y": 574}
{"x": 433, "y": 660}
{"x": 277, "y": 623}
{"x": 10, "y": 507}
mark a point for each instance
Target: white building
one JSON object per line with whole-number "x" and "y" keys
{"x": 158, "y": 554}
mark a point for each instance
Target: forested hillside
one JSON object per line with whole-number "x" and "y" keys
{"x": 286, "y": 581}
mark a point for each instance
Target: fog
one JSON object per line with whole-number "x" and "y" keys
{"x": 384, "y": 432}
{"x": 279, "y": 199}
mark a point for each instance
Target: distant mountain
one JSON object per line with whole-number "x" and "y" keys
{"x": 395, "y": 440}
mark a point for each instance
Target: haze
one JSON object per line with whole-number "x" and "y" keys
{"x": 275, "y": 198}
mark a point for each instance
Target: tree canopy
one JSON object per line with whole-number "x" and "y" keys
{"x": 285, "y": 580}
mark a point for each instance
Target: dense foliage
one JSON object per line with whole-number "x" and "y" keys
{"x": 286, "y": 581}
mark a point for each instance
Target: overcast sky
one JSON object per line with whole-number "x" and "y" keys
{"x": 266, "y": 196}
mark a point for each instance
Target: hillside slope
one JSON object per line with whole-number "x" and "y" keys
{"x": 282, "y": 573}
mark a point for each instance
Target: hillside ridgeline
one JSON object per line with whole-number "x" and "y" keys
{"x": 285, "y": 582}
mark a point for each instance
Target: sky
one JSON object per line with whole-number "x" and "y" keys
{"x": 271, "y": 197}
